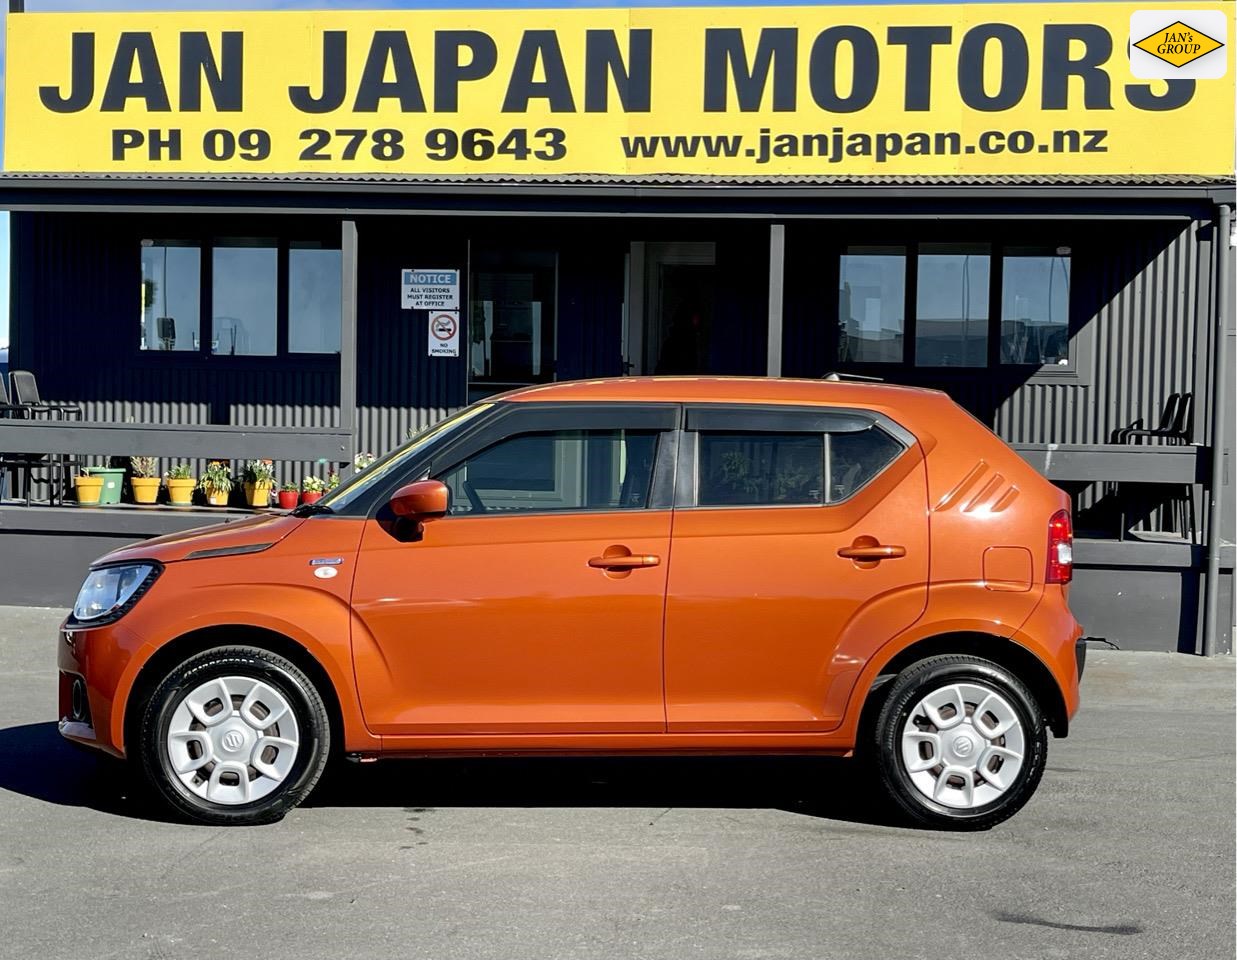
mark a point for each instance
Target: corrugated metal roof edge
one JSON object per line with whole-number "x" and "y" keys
{"x": 591, "y": 179}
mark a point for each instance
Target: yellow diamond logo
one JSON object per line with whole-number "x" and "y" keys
{"x": 1178, "y": 44}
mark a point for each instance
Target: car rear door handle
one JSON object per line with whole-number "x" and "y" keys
{"x": 872, "y": 551}
{"x": 628, "y": 561}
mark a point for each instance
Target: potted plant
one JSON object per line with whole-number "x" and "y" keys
{"x": 181, "y": 483}
{"x": 144, "y": 479}
{"x": 216, "y": 483}
{"x": 312, "y": 489}
{"x": 289, "y": 493}
{"x": 259, "y": 481}
{"x": 332, "y": 479}
{"x": 87, "y": 488}
{"x": 363, "y": 460}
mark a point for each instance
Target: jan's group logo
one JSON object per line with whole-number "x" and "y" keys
{"x": 1178, "y": 44}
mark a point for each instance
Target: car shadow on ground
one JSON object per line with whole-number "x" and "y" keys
{"x": 37, "y": 762}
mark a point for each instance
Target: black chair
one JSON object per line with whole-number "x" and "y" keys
{"x": 26, "y": 394}
{"x": 1167, "y": 415}
{"x": 15, "y": 464}
{"x": 1176, "y": 427}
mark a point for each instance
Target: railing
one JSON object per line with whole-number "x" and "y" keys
{"x": 188, "y": 441}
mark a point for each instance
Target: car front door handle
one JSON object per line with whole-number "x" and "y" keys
{"x": 872, "y": 552}
{"x": 629, "y": 561}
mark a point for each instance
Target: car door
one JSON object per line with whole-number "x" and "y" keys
{"x": 795, "y": 531}
{"x": 536, "y": 605}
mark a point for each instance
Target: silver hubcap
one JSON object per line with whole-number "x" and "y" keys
{"x": 963, "y": 745}
{"x": 233, "y": 740}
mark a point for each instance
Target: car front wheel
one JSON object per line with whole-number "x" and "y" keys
{"x": 960, "y": 743}
{"x": 236, "y": 735}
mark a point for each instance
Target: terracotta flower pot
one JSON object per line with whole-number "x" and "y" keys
{"x": 311, "y": 496}
{"x": 88, "y": 489}
{"x": 258, "y": 494}
{"x": 217, "y": 498}
{"x": 288, "y": 499}
{"x": 180, "y": 492}
{"x": 145, "y": 489}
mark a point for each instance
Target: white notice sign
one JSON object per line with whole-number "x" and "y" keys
{"x": 444, "y": 333}
{"x": 423, "y": 289}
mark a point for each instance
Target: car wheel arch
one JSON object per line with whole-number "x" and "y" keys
{"x": 160, "y": 663}
{"x": 1010, "y": 654}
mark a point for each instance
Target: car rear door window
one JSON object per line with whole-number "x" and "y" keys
{"x": 777, "y": 467}
{"x": 556, "y": 470}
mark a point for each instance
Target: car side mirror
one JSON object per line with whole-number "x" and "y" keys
{"x": 423, "y": 500}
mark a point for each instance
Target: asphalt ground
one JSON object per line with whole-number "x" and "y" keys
{"x": 1127, "y": 850}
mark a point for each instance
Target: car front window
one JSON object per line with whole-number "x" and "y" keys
{"x": 363, "y": 480}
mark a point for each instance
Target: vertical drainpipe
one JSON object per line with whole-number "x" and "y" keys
{"x": 1219, "y": 418}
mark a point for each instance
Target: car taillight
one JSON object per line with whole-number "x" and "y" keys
{"x": 1060, "y": 548}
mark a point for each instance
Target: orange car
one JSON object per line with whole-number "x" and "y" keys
{"x": 670, "y": 565}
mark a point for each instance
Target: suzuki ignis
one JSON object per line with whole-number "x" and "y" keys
{"x": 676, "y": 565}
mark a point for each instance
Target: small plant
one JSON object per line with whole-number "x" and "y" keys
{"x": 260, "y": 473}
{"x": 312, "y": 484}
{"x": 180, "y": 472}
{"x": 332, "y": 479}
{"x": 289, "y": 487}
{"x": 216, "y": 479}
{"x": 363, "y": 460}
{"x": 144, "y": 468}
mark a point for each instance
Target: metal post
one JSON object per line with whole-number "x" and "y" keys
{"x": 1219, "y": 391}
{"x": 777, "y": 271}
{"x": 347, "y": 334}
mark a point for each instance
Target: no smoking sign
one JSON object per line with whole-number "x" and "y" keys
{"x": 444, "y": 333}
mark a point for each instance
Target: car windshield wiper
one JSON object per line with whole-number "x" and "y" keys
{"x": 311, "y": 510}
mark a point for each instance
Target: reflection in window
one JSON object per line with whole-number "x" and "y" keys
{"x": 511, "y": 333}
{"x": 314, "y": 305}
{"x": 951, "y": 305}
{"x": 560, "y": 470}
{"x": 737, "y": 469}
{"x": 244, "y": 297}
{"x": 1035, "y": 307}
{"x": 872, "y": 304}
{"x": 171, "y": 295}
{"x": 855, "y": 458}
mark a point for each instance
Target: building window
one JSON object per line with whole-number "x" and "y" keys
{"x": 511, "y": 334}
{"x": 951, "y": 305}
{"x": 245, "y": 298}
{"x": 171, "y": 295}
{"x": 1035, "y": 307}
{"x": 872, "y": 304}
{"x": 314, "y": 304}
{"x": 264, "y": 297}
{"x": 591, "y": 470}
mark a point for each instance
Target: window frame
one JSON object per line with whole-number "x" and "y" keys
{"x": 762, "y": 418}
{"x": 206, "y": 243}
{"x": 1081, "y": 334}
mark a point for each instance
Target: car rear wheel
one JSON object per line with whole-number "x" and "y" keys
{"x": 236, "y": 735}
{"x": 960, "y": 743}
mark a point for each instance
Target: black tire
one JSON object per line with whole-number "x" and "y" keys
{"x": 906, "y": 691}
{"x": 289, "y": 681}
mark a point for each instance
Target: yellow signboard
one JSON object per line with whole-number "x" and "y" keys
{"x": 973, "y": 89}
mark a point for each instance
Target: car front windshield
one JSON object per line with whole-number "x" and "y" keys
{"x": 362, "y": 480}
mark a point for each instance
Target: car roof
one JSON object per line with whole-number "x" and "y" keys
{"x": 721, "y": 390}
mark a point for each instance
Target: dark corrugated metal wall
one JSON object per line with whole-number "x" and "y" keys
{"x": 1141, "y": 290}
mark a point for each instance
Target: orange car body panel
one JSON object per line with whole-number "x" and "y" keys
{"x": 750, "y": 634}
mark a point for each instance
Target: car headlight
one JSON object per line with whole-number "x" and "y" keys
{"x": 109, "y": 592}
